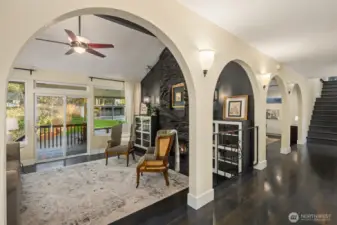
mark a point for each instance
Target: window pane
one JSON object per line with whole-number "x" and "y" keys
{"x": 109, "y": 109}
{"x": 16, "y": 111}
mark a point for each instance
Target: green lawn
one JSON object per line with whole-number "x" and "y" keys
{"x": 97, "y": 123}
{"x": 106, "y": 123}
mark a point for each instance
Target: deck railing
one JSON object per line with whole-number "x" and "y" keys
{"x": 51, "y": 136}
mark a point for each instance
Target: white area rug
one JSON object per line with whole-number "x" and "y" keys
{"x": 92, "y": 193}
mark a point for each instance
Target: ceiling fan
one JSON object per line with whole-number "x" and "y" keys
{"x": 80, "y": 44}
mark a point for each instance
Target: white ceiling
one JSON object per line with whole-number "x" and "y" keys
{"x": 128, "y": 60}
{"x": 300, "y": 33}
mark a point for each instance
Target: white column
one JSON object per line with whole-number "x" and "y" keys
{"x": 129, "y": 108}
{"x": 200, "y": 153}
{"x": 260, "y": 121}
{"x": 285, "y": 125}
{"x": 137, "y": 98}
{"x": 90, "y": 122}
{"x": 28, "y": 153}
{"x": 129, "y": 101}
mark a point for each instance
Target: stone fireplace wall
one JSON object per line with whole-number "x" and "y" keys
{"x": 157, "y": 84}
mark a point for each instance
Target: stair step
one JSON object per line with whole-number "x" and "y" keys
{"x": 327, "y": 99}
{"x": 325, "y": 112}
{"x": 329, "y": 88}
{"x": 323, "y": 123}
{"x": 321, "y": 141}
{"x": 329, "y": 83}
{"x": 323, "y": 128}
{"x": 332, "y": 95}
{"x": 325, "y": 107}
{"x": 324, "y": 117}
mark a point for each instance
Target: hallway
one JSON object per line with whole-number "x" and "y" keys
{"x": 303, "y": 181}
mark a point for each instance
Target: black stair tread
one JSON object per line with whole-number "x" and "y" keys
{"x": 315, "y": 125}
{"x": 324, "y": 132}
{"x": 326, "y": 115}
{"x": 322, "y": 138}
{"x": 322, "y": 110}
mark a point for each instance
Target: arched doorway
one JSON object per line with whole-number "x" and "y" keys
{"x": 30, "y": 32}
{"x": 234, "y": 136}
{"x": 277, "y": 114}
{"x": 297, "y": 112}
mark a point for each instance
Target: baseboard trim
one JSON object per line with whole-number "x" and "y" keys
{"x": 285, "y": 150}
{"x": 201, "y": 200}
{"x": 261, "y": 165}
{"x": 28, "y": 162}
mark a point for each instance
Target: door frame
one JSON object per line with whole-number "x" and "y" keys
{"x": 64, "y": 145}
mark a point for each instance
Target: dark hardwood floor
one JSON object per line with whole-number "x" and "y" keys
{"x": 303, "y": 181}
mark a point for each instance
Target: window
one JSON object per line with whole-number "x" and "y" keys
{"x": 15, "y": 111}
{"x": 109, "y": 109}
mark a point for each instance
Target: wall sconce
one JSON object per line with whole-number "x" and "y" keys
{"x": 146, "y": 99}
{"x": 290, "y": 87}
{"x": 206, "y": 59}
{"x": 296, "y": 118}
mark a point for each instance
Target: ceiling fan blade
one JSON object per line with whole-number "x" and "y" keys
{"x": 97, "y": 45}
{"x": 71, "y": 51}
{"x": 71, "y": 34}
{"x": 96, "y": 53}
{"x": 56, "y": 42}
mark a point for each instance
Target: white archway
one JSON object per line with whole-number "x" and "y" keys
{"x": 285, "y": 115}
{"x": 200, "y": 185}
{"x": 259, "y": 112}
{"x": 296, "y": 92}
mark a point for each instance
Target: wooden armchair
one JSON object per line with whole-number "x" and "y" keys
{"x": 156, "y": 159}
{"x": 114, "y": 145}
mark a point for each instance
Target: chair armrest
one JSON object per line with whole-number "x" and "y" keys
{"x": 13, "y": 151}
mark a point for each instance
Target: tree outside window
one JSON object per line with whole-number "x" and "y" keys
{"x": 15, "y": 108}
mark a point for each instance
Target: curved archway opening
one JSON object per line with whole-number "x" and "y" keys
{"x": 234, "y": 139}
{"x": 296, "y": 115}
{"x": 277, "y": 126}
{"x": 89, "y": 87}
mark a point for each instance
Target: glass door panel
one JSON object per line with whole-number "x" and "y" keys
{"x": 49, "y": 127}
{"x": 76, "y": 126}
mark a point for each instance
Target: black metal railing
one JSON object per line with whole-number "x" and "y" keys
{"x": 235, "y": 151}
{"x": 51, "y": 136}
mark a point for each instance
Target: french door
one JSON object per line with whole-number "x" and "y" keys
{"x": 61, "y": 126}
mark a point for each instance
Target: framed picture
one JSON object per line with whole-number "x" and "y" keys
{"x": 236, "y": 107}
{"x": 178, "y": 95}
{"x": 274, "y": 100}
{"x": 143, "y": 109}
{"x": 273, "y": 114}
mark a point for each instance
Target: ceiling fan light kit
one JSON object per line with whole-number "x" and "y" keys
{"x": 80, "y": 44}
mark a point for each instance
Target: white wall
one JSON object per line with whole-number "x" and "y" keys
{"x": 96, "y": 144}
{"x": 184, "y": 33}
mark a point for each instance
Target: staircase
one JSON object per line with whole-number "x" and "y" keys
{"x": 323, "y": 126}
